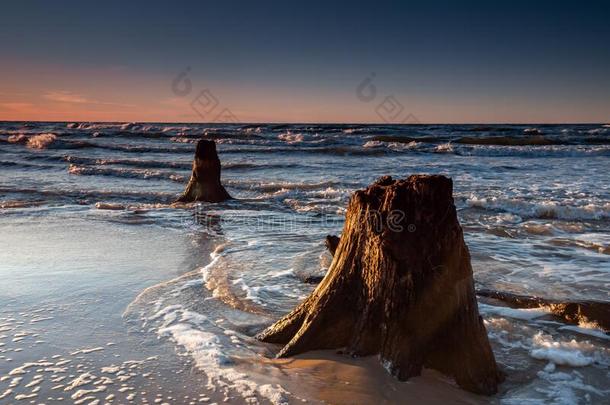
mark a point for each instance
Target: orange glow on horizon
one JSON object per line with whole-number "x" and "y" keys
{"x": 33, "y": 92}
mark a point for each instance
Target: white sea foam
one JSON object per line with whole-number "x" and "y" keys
{"x": 597, "y": 131}
{"x": 526, "y": 314}
{"x": 401, "y": 146}
{"x": 373, "y": 144}
{"x": 204, "y": 347}
{"x": 209, "y": 353}
{"x": 571, "y": 353}
{"x": 444, "y": 148}
{"x": 109, "y": 206}
{"x": 17, "y": 138}
{"x": 544, "y": 209}
{"x": 289, "y": 137}
{"x": 129, "y": 126}
{"x": 41, "y": 141}
{"x": 124, "y": 172}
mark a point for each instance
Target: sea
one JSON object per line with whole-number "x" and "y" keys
{"x": 111, "y": 294}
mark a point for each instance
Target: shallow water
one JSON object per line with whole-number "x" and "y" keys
{"x": 92, "y": 253}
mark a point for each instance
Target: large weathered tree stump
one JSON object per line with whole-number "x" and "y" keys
{"x": 401, "y": 286}
{"x": 204, "y": 184}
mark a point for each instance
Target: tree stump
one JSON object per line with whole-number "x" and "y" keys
{"x": 204, "y": 184}
{"x": 332, "y": 241}
{"x": 400, "y": 286}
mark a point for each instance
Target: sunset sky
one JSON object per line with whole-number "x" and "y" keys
{"x": 288, "y": 61}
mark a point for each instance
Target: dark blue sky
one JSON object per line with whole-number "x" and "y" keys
{"x": 282, "y": 61}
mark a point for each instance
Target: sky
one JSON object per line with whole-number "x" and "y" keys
{"x": 271, "y": 61}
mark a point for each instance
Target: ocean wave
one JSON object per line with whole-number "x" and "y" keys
{"x": 599, "y": 243}
{"x": 532, "y": 152}
{"x": 88, "y": 196}
{"x": 492, "y": 146}
{"x": 121, "y": 130}
{"x": 90, "y": 125}
{"x": 25, "y": 165}
{"x": 393, "y": 146}
{"x": 129, "y": 173}
{"x": 532, "y": 131}
{"x": 39, "y": 141}
{"x": 101, "y": 205}
{"x": 373, "y": 144}
{"x": 48, "y": 141}
{"x": 182, "y": 139}
{"x": 414, "y": 145}
{"x": 542, "y": 210}
{"x": 17, "y": 138}
{"x": 596, "y": 131}
{"x": 316, "y": 206}
{"x": 444, "y": 148}
{"x": 141, "y": 148}
{"x": 257, "y": 166}
{"x": 330, "y": 150}
{"x": 153, "y": 164}
{"x": 127, "y": 162}
{"x": 409, "y": 139}
{"x": 290, "y": 138}
{"x": 275, "y": 187}
{"x": 488, "y": 128}
{"x": 510, "y": 141}
{"x": 369, "y": 130}
{"x": 529, "y": 139}
{"x": 13, "y": 204}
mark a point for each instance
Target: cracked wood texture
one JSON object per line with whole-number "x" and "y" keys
{"x": 400, "y": 286}
{"x": 204, "y": 184}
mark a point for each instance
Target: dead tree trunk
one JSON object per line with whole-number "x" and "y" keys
{"x": 576, "y": 311}
{"x": 332, "y": 241}
{"x": 204, "y": 184}
{"x": 400, "y": 285}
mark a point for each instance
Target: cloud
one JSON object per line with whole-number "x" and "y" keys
{"x": 66, "y": 97}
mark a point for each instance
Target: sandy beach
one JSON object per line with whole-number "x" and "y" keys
{"x": 113, "y": 293}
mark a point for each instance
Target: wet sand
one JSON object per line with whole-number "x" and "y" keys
{"x": 336, "y": 379}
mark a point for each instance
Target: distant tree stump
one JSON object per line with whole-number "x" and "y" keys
{"x": 204, "y": 184}
{"x": 331, "y": 243}
{"x": 401, "y": 286}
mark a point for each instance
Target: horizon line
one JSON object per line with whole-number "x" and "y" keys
{"x": 309, "y": 122}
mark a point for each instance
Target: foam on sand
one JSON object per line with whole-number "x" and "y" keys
{"x": 209, "y": 352}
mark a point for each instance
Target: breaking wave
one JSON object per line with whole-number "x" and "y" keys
{"x": 542, "y": 210}
{"x": 130, "y": 173}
